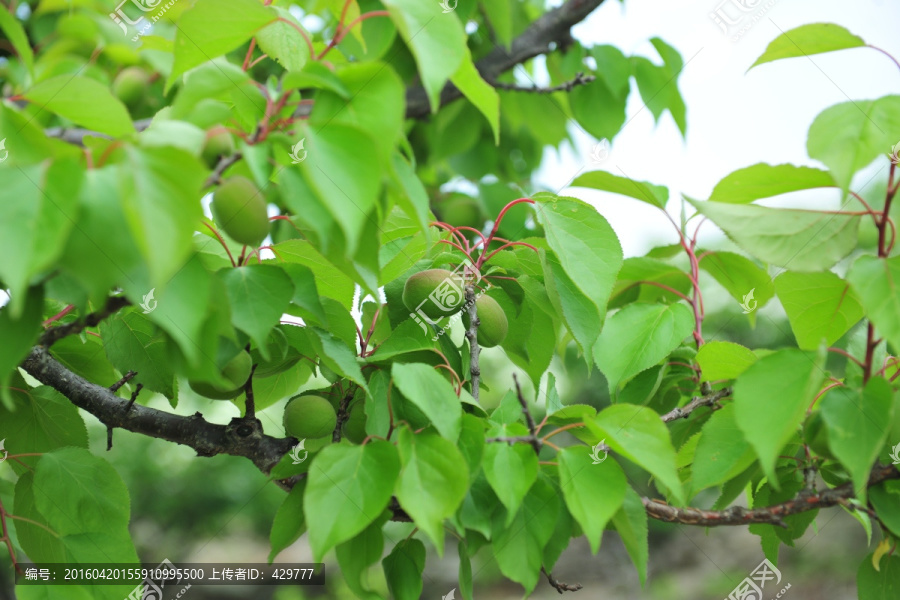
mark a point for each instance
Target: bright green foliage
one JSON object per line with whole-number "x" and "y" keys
{"x": 353, "y": 170}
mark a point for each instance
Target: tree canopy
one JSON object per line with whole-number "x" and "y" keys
{"x": 324, "y": 215}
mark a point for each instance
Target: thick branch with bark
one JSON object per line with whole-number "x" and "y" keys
{"x": 241, "y": 437}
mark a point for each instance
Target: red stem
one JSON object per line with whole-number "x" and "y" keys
{"x": 342, "y": 32}
{"x": 246, "y": 64}
{"x": 59, "y": 315}
{"x": 221, "y": 241}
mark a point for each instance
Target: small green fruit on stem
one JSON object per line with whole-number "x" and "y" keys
{"x": 493, "y": 325}
{"x": 240, "y": 210}
{"x": 419, "y": 286}
{"x": 236, "y": 372}
{"x": 309, "y": 416}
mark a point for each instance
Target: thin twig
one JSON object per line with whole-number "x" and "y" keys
{"x": 568, "y": 86}
{"x": 472, "y": 336}
{"x": 125, "y": 379}
{"x": 54, "y": 334}
{"x": 560, "y": 586}
{"x": 695, "y": 403}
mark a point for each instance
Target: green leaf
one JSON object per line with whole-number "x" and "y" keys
{"x": 886, "y": 502}
{"x": 594, "y": 492}
{"x": 354, "y": 482}
{"x": 856, "y": 422}
{"x": 329, "y": 281}
{"x": 518, "y": 542}
{"x": 722, "y": 451}
{"x": 437, "y": 41}
{"x": 739, "y": 276}
{"x": 875, "y": 280}
{"x": 638, "y": 337}
{"x": 803, "y": 240}
{"x": 768, "y": 419}
{"x": 723, "y": 360}
{"x": 17, "y": 36}
{"x": 764, "y": 181}
{"x": 588, "y": 252}
{"x": 210, "y": 80}
{"x": 479, "y": 92}
{"x": 814, "y": 38}
{"x": 465, "y": 571}
{"x": 283, "y": 42}
{"x": 432, "y": 394}
{"x": 638, "y": 434}
{"x": 819, "y": 306}
{"x": 655, "y": 195}
{"x": 84, "y": 502}
{"x": 197, "y": 40}
{"x": 511, "y": 469}
{"x": 433, "y": 481}
{"x": 354, "y": 557}
{"x": 133, "y": 343}
{"x": 883, "y": 584}
{"x": 38, "y": 209}
{"x": 338, "y": 357}
{"x": 343, "y": 170}
{"x": 289, "y": 524}
{"x": 258, "y": 296}
{"x": 83, "y": 101}
{"x": 411, "y": 195}
{"x": 631, "y": 523}
{"x": 375, "y": 104}
{"x": 658, "y": 85}
{"x": 160, "y": 189}
{"x": 847, "y": 137}
{"x": 42, "y": 420}
{"x": 18, "y": 334}
{"x": 403, "y": 569}
{"x": 599, "y": 109}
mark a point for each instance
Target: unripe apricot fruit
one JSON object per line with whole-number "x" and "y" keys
{"x": 217, "y": 145}
{"x": 240, "y": 210}
{"x": 236, "y": 372}
{"x": 493, "y": 325}
{"x": 130, "y": 85}
{"x": 309, "y": 416}
{"x": 420, "y": 285}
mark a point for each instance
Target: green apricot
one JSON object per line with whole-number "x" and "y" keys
{"x": 217, "y": 145}
{"x": 355, "y": 425}
{"x": 493, "y": 325}
{"x": 309, "y": 416}
{"x": 420, "y": 285}
{"x": 240, "y": 210}
{"x": 461, "y": 211}
{"x": 236, "y": 372}
{"x": 130, "y": 85}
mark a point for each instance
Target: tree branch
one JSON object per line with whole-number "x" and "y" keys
{"x": 774, "y": 515}
{"x": 580, "y": 79}
{"x": 241, "y": 437}
{"x": 552, "y": 30}
{"x": 54, "y": 334}
{"x": 472, "y": 336}
{"x": 708, "y": 399}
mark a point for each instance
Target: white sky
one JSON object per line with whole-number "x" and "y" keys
{"x": 734, "y": 118}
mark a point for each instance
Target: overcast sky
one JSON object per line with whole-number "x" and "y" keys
{"x": 734, "y": 118}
